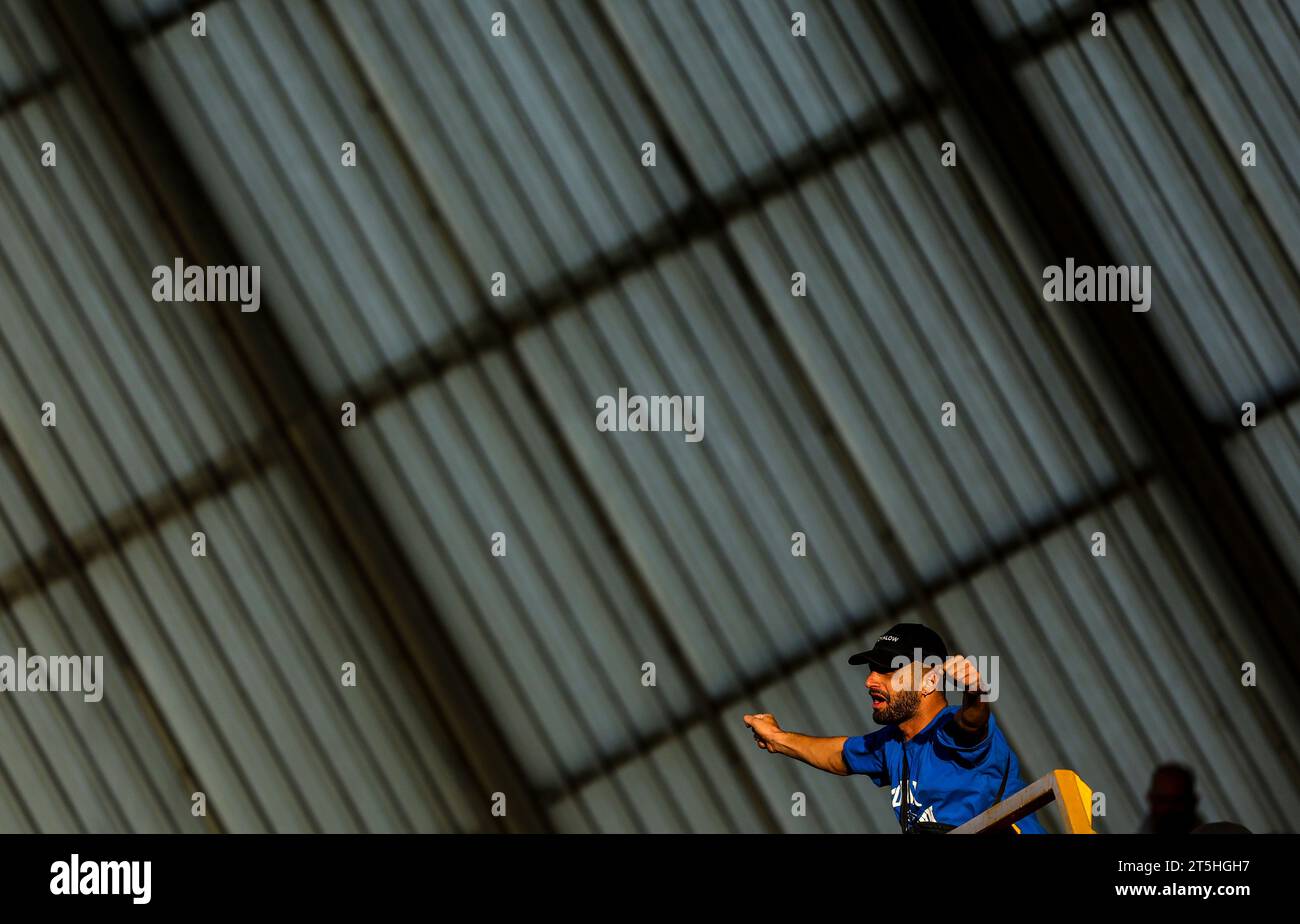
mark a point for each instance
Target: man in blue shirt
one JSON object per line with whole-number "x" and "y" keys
{"x": 951, "y": 761}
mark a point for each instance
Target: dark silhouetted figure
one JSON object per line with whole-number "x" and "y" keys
{"x": 1221, "y": 827}
{"x": 1171, "y": 801}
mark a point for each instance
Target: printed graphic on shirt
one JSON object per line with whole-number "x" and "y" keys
{"x": 912, "y": 804}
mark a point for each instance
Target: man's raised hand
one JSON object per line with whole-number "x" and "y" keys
{"x": 962, "y": 670}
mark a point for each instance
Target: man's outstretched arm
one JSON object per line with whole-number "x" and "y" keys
{"x": 823, "y": 753}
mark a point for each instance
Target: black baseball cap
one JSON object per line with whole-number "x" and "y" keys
{"x": 902, "y": 641}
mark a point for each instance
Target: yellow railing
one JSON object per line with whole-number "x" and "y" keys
{"x": 1070, "y": 795}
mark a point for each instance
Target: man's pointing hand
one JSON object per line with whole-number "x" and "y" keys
{"x": 765, "y": 730}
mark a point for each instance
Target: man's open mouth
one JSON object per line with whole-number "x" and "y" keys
{"x": 878, "y": 699}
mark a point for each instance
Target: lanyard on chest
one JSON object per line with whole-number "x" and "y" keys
{"x": 904, "y": 793}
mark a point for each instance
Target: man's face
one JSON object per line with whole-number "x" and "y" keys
{"x": 896, "y": 694}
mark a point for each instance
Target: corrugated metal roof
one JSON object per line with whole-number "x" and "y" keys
{"x": 1151, "y": 122}
{"x": 776, "y": 155}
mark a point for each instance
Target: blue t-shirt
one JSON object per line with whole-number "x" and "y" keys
{"x": 950, "y": 784}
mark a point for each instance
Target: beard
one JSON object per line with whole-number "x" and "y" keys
{"x": 901, "y": 707}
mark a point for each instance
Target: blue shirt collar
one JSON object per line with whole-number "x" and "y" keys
{"x": 934, "y": 725}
